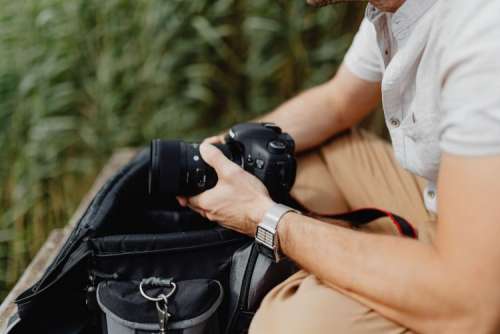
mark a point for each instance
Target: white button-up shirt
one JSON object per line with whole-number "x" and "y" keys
{"x": 430, "y": 55}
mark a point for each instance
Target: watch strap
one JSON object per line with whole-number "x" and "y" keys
{"x": 266, "y": 236}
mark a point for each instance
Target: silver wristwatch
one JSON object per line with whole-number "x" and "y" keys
{"x": 266, "y": 237}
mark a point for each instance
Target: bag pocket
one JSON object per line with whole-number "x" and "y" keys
{"x": 191, "y": 305}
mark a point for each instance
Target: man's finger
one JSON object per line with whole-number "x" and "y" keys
{"x": 197, "y": 210}
{"x": 182, "y": 200}
{"x": 215, "y": 140}
{"x": 194, "y": 201}
{"x": 211, "y": 140}
{"x": 215, "y": 158}
{"x": 201, "y": 201}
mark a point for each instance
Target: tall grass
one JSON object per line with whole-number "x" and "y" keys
{"x": 80, "y": 78}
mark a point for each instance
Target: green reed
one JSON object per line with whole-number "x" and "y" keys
{"x": 80, "y": 78}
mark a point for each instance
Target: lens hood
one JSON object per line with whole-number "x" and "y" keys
{"x": 166, "y": 165}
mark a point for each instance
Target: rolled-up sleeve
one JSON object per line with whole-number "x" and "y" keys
{"x": 470, "y": 79}
{"x": 363, "y": 58}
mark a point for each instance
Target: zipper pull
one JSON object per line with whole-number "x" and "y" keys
{"x": 90, "y": 289}
{"x": 163, "y": 314}
{"x": 161, "y": 300}
{"x": 90, "y": 294}
{"x": 104, "y": 276}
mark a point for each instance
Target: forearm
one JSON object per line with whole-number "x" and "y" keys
{"x": 310, "y": 117}
{"x": 404, "y": 280}
{"x": 323, "y": 111}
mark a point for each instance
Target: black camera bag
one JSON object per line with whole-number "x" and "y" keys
{"x": 124, "y": 237}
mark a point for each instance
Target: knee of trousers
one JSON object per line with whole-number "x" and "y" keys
{"x": 315, "y": 308}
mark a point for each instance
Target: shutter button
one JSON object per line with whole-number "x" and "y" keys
{"x": 394, "y": 122}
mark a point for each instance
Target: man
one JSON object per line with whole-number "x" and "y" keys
{"x": 436, "y": 66}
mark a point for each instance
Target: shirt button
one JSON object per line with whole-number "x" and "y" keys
{"x": 394, "y": 122}
{"x": 431, "y": 194}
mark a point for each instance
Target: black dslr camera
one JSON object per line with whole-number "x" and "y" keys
{"x": 176, "y": 167}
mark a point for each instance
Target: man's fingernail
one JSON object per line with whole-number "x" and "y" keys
{"x": 181, "y": 201}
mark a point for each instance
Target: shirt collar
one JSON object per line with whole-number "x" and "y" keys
{"x": 405, "y": 17}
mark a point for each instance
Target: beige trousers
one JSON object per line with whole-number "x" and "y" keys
{"x": 353, "y": 171}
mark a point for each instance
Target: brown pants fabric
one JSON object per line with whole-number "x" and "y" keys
{"x": 352, "y": 171}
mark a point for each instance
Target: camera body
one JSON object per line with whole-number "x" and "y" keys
{"x": 267, "y": 153}
{"x": 261, "y": 149}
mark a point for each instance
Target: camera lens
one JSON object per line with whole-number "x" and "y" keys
{"x": 262, "y": 149}
{"x": 176, "y": 168}
{"x": 165, "y": 167}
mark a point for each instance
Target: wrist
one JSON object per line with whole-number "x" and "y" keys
{"x": 258, "y": 211}
{"x": 283, "y": 230}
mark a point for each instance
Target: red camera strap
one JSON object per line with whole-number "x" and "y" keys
{"x": 365, "y": 216}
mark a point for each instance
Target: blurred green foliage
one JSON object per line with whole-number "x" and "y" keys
{"x": 79, "y": 78}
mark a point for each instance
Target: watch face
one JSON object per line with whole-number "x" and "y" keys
{"x": 266, "y": 244}
{"x": 265, "y": 237}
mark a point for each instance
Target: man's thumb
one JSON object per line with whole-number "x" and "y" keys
{"x": 214, "y": 157}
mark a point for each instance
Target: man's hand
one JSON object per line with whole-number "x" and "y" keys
{"x": 217, "y": 139}
{"x": 238, "y": 201}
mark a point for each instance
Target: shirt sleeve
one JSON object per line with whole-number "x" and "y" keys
{"x": 470, "y": 79}
{"x": 364, "y": 58}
